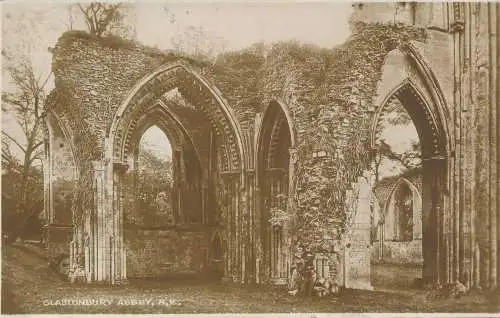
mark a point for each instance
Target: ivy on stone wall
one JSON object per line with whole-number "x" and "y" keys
{"x": 329, "y": 93}
{"x": 85, "y": 151}
{"x": 335, "y": 150}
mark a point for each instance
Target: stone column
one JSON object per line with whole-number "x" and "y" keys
{"x": 243, "y": 227}
{"x": 235, "y": 196}
{"x": 357, "y": 255}
{"x": 250, "y": 268}
{"x": 119, "y": 254}
{"x": 100, "y": 236}
{"x": 259, "y": 270}
{"x": 429, "y": 221}
{"x": 482, "y": 189}
{"x": 493, "y": 21}
{"x": 233, "y": 227}
{"x": 290, "y": 208}
{"x": 47, "y": 182}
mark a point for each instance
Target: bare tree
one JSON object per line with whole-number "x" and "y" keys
{"x": 102, "y": 17}
{"x": 24, "y": 101}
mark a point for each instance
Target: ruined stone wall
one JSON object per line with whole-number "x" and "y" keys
{"x": 398, "y": 252}
{"x": 62, "y": 175}
{"x": 462, "y": 52}
{"x": 157, "y": 253}
{"x": 89, "y": 87}
{"x": 475, "y": 28}
{"x": 332, "y": 98}
{"x": 328, "y": 92}
{"x": 60, "y": 179}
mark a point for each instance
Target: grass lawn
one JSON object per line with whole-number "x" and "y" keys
{"x": 30, "y": 287}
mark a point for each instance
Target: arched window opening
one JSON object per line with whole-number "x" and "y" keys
{"x": 154, "y": 181}
{"x": 398, "y": 143}
{"x": 398, "y": 159}
{"x": 404, "y": 206}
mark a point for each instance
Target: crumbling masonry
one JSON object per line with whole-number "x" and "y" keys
{"x": 290, "y": 129}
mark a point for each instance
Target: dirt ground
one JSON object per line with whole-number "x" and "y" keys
{"x": 29, "y": 286}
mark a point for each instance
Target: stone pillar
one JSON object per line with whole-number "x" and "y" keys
{"x": 430, "y": 235}
{"x": 482, "y": 189}
{"x": 417, "y": 214}
{"x": 233, "y": 227}
{"x": 100, "y": 236}
{"x": 357, "y": 252}
{"x": 226, "y": 216}
{"x": 250, "y": 268}
{"x": 290, "y": 208}
{"x": 493, "y": 20}
{"x": 117, "y": 206}
{"x": 243, "y": 228}
{"x": 47, "y": 182}
{"x": 235, "y": 196}
{"x": 258, "y": 251}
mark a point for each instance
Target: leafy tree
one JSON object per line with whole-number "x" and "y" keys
{"x": 394, "y": 114}
{"x": 409, "y": 159}
{"x": 27, "y": 225}
{"x": 154, "y": 184}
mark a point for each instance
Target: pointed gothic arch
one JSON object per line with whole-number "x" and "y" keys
{"x": 148, "y": 103}
{"x": 418, "y": 79}
{"x": 420, "y": 94}
{"x": 64, "y": 168}
{"x": 275, "y": 141}
{"x": 194, "y": 87}
{"x": 417, "y": 204}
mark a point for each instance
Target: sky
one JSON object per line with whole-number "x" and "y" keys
{"x": 32, "y": 27}
{"x": 155, "y": 140}
{"x": 239, "y": 24}
{"x": 399, "y": 138}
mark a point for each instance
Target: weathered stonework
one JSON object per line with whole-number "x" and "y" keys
{"x": 292, "y": 129}
{"x": 391, "y": 243}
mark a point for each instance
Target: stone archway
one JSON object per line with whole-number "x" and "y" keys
{"x": 389, "y": 245}
{"x": 419, "y": 93}
{"x": 203, "y": 131}
{"x": 153, "y": 241}
{"x": 60, "y": 176}
{"x": 275, "y": 148}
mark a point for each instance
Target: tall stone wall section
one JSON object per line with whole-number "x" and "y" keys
{"x": 330, "y": 94}
{"x": 474, "y": 30}
{"x": 327, "y": 91}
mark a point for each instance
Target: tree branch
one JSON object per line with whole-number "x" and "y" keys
{"x": 14, "y": 141}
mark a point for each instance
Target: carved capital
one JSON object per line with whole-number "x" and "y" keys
{"x": 457, "y": 26}
{"x": 120, "y": 167}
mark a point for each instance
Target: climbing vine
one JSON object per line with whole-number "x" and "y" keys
{"x": 334, "y": 152}
{"x": 329, "y": 93}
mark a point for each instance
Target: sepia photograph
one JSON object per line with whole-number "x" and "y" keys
{"x": 258, "y": 158}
